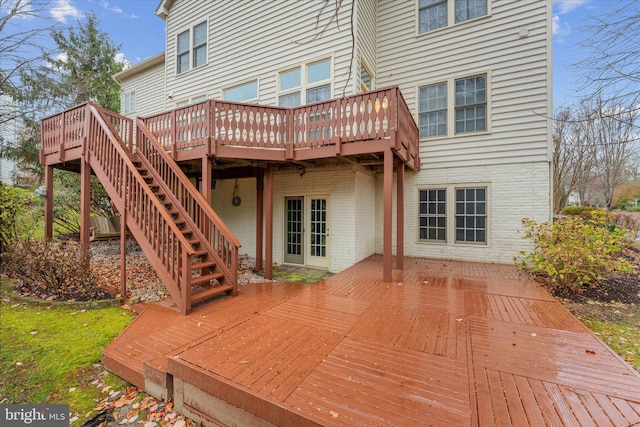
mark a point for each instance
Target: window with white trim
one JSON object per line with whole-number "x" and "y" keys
{"x": 242, "y": 92}
{"x": 434, "y": 14}
{"x": 306, "y": 84}
{"x": 189, "y": 101}
{"x": 191, "y": 48}
{"x": 468, "y": 112}
{"x": 130, "y": 102}
{"x": 464, "y": 221}
{"x": 471, "y": 104}
{"x": 366, "y": 79}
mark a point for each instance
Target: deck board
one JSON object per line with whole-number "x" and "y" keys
{"x": 446, "y": 343}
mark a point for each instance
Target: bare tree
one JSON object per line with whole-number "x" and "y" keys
{"x": 610, "y": 132}
{"x": 23, "y": 27}
{"x": 613, "y": 40}
{"x": 572, "y": 158}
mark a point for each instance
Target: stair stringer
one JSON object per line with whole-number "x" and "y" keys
{"x": 170, "y": 256}
{"x": 221, "y": 245}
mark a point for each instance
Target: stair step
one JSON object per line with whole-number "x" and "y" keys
{"x": 205, "y": 264}
{"x": 207, "y": 278}
{"x": 209, "y": 293}
{"x": 186, "y": 232}
{"x": 194, "y": 242}
{"x": 200, "y": 253}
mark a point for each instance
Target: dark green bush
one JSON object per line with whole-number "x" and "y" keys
{"x": 573, "y": 252}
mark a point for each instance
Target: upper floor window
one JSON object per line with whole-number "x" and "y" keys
{"x": 434, "y": 14}
{"x": 366, "y": 81}
{"x": 471, "y": 104}
{"x": 436, "y": 117}
{"x": 129, "y": 102}
{"x": 242, "y": 92}
{"x": 191, "y": 48}
{"x": 305, "y": 84}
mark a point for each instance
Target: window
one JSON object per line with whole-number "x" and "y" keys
{"x": 433, "y": 110}
{"x": 242, "y": 92}
{"x": 366, "y": 81}
{"x": 434, "y": 14}
{"x": 189, "y": 101}
{"x": 471, "y": 104}
{"x": 433, "y": 215}
{"x": 188, "y": 47}
{"x": 469, "y": 9}
{"x": 471, "y": 215}
{"x": 305, "y": 84}
{"x": 469, "y": 112}
{"x": 129, "y": 102}
{"x": 462, "y": 222}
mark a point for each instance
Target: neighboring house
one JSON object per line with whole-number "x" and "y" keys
{"x": 476, "y": 75}
{"x": 9, "y": 172}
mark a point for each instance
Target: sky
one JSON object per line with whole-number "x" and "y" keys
{"x": 133, "y": 25}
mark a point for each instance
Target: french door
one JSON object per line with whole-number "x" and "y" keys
{"x": 306, "y": 231}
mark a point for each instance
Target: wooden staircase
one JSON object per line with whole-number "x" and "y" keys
{"x": 190, "y": 248}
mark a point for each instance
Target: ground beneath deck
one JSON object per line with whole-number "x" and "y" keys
{"x": 446, "y": 343}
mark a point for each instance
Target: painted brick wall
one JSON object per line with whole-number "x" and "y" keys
{"x": 516, "y": 192}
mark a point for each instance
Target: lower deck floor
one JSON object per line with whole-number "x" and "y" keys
{"x": 445, "y": 343}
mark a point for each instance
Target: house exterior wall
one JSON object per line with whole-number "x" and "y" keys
{"x": 238, "y": 52}
{"x": 9, "y": 135}
{"x": 511, "y": 45}
{"x": 149, "y": 88}
{"x": 348, "y": 215}
{"x": 512, "y": 158}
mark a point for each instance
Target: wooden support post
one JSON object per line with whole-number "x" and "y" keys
{"x": 268, "y": 269}
{"x": 205, "y": 189}
{"x": 400, "y": 216}
{"x": 259, "y": 216}
{"x": 48, "y": 203}
{"x": 85, "y": 202}
{"x": 387, "y": 220}
{"x": 123, "y": 253}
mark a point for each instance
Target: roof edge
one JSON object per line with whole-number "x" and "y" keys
{"x": 140, "y": 67}
{"x": 162, "y": 11}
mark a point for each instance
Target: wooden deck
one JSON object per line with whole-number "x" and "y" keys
{"x": 446, "y": 343}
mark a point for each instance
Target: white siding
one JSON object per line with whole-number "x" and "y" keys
{"x": 367, "y": 39}
{"x": 8, "y": 135}
{"x": 150, "y": 92}
{"x": 519, "y": 76}
{"x": 249, "y": 40}
{"x": 365, "y": 217}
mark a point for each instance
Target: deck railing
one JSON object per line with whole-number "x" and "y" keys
{"x": 222, "y": 244}
{"x": 381, "y": 114}
{"x": 98, "y": 133}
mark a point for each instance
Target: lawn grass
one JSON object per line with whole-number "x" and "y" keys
{"x": 308, "y": 276}
{"x": 48, "y": 354}
{"x": 620, "y": 330}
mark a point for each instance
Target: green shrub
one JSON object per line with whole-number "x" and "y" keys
{"x": 573, "y": 252}
{"x": 633, "y": 209}
{"x": 60, "y": 267}
{"x": 587, "y": 212}
{"x": 17, "y": 212}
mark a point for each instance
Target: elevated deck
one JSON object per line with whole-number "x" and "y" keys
{"x": 354, "y": 127}
{"x": 445, "y": 343}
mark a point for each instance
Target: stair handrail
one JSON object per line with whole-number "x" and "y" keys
{"x": 177, "y": 267}
{"x": 220, "y": 241}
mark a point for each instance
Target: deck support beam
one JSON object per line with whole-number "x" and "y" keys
{"x": 205, "y": 189}
{"x": 400, "y": 215}
{"x": 387, "y": 220}
{"x": 259, "y": 216}
{"x": 85, "y": 201}
{"x": 48, "y": 203}
{"x": 268, "y": 268}
{"x": 123, "y": 253}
